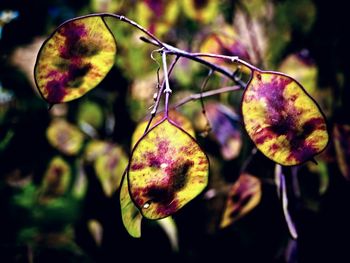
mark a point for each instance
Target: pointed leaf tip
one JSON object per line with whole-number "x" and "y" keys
{"x": 283, "y": 121}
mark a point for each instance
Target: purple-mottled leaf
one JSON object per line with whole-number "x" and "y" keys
{"x": 75, "y": 59}
{"x": 283, "y": 121}
{"x": 167, "y": 169}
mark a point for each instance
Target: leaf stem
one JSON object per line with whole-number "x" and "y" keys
{"x": 206, "y": 94}
{"x": 197, "y": 57}
{"x": 159, "y": 95}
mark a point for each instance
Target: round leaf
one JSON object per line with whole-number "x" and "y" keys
{"x": 109, "y": 168}
{"x": 65, "y": 137}
{"x": 76, "y": 57}
{"x": 167, "y": 169}
{"x": 283, "y": 121}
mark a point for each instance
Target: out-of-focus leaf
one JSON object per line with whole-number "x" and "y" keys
{"x": 65, "y": 137}
{"x": 158, "y": 16}
{"x": 244, "y": 196}
{"x": 109, "y": 168}
{"x": 201, "y": 11}
{"x": 75, "y": 59}
{"x": 169, "y": 226}
{"x": 224, "y": 123}
{"x": 106, "y": 6}
{"x": 96, "y": 148}
{"x": 224, "y": 41}
{"x": 131, "y": 215}
{"x": 167, "y": 170}
{"x": 342, "y": 147}
{"x": 302, "y": 68}
{"x": 90, "y": 113}
{"x": 179, "y": 119}
{"x": 283, "y": 121}
{"x": 80, "y": 184}
{"x": 141, "y": 95}
{"x": 282, "y": 193}
{"x": 96, "y": 230}
{"x": 56, "y": 179}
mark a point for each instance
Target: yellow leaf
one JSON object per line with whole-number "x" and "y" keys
{"x": 167, "y": 169}
{"x": 283, "y": 121}
{"x": 75, "y": 59}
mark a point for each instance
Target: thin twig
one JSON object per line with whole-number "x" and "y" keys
{"x": 206, "y": 94}
{"x": 160, "y": 92}
{"x": 134, "y": 24}
{"x": 197, "y": 57}
{"x": 204, "y": 84}
{"x": 167, "y": 90}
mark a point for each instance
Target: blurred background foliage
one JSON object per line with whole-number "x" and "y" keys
{"x": 60, "y": 170}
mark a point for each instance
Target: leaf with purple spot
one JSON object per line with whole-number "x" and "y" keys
{"x": 167, "y": 169}
{"x": 56, "y": 179}
{"x": 74, "y": 59}
{"x": 283, "y": 121}
{"x": 244, "y": 196}
{"x": 158, "y": 16}
{"x": 225, "y": 41}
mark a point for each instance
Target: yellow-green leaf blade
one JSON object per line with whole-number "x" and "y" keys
{"x": 175, "y": 116}
{"x": 131, "y": 216}
{"x": 167, "y": 170}
{"x": 74, "y": 59}
{"x": 65, "y": 137}
{"x": 284, "y": 122}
